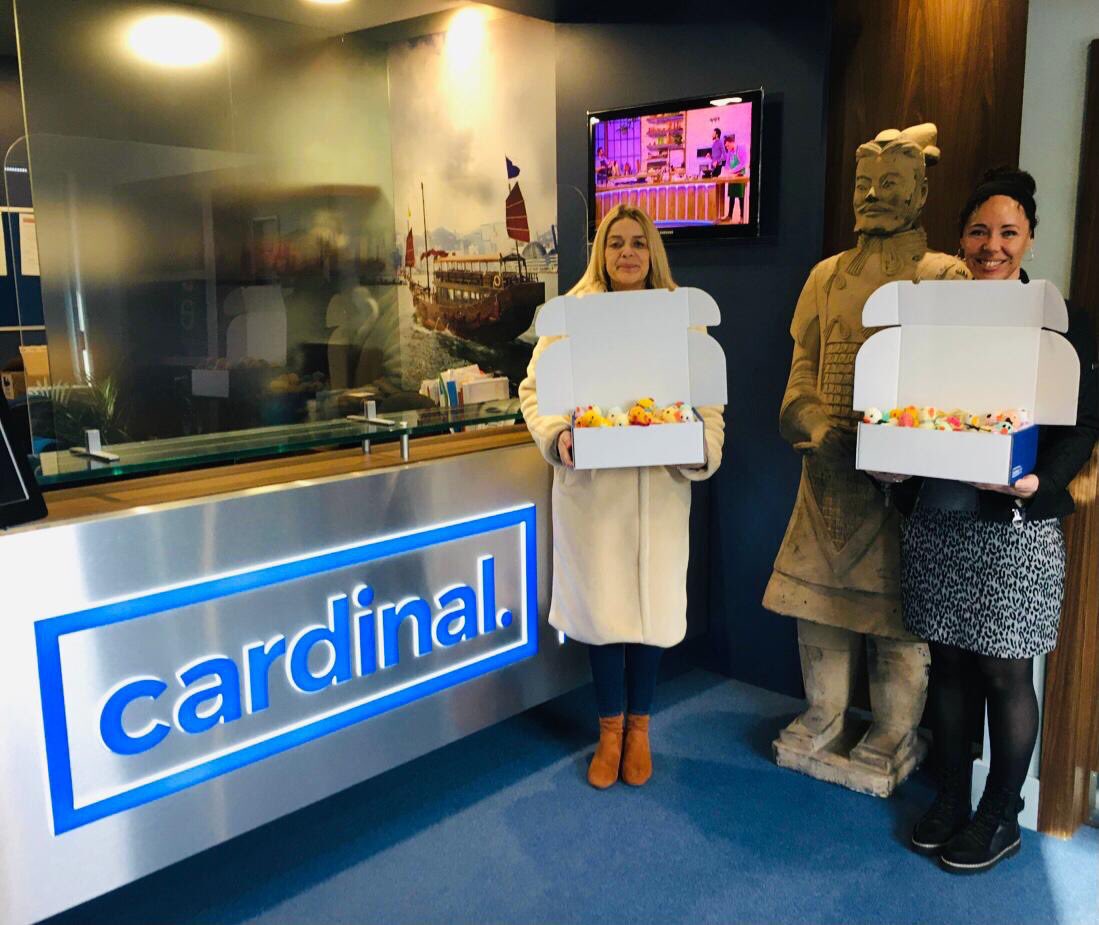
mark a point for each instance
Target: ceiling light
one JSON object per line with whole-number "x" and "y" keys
{"x": 174, "y": 40}
{"x": 465, "y": 37}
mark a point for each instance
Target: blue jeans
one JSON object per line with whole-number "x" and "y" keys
{"x": 634, "y": 664}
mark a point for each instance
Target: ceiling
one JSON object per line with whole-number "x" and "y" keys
{"x": 357, "y": 15}
{"x": 335, "y": 19}
{"x": 338, "y": 19}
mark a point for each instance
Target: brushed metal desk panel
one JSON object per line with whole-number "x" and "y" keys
{"x": 76, "y": 567}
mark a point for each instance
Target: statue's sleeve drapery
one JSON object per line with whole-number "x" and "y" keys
{"x": 802, "y": 409}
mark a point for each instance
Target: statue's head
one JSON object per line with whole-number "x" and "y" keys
{"x": 891, "y": 179}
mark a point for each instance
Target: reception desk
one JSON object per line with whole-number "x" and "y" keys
{"x": 189, "y": 656}
{"x": 698, "y": 200}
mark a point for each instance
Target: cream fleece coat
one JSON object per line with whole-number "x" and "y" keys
{"x": 620, "y": 536}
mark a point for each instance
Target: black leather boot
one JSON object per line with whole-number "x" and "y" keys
{"x": 992, "y": 835}
{"x": 949, "y": 814}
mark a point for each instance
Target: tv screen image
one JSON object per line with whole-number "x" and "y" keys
{"x": 692, "y": 165}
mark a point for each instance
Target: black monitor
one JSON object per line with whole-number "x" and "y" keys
{"x": 657, "y": 157}
{"x": 20, "y": 498}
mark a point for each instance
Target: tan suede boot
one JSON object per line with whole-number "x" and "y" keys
{"x": 603, "y": 770}
{"x": 637, "y": 760}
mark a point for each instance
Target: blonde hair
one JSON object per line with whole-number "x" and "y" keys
{"x": 596, "y": 278}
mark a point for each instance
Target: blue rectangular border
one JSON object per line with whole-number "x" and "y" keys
{"x": 49, "y": 631}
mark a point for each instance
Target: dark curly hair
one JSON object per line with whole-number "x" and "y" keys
{"x": 1003, "y": 181}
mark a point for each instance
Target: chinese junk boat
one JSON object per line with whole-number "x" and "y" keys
{"x": 491, "y": 300}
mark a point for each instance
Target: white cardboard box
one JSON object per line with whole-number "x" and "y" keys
{"x": 618, "y": 347}
{"x": 490, "y": 388}
{"x": 982, "y": 346}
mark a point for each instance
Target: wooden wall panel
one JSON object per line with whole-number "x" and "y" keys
{"x": 896, "y": 63}
{"x": 1084, "y": 289}
{"x": 1070, "y": 729}
{"x": 1071, "y": 703}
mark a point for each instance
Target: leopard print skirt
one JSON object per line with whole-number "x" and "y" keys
{"x": 992, "y": 588}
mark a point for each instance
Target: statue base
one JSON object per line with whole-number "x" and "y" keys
{"x": 832, "y": 761}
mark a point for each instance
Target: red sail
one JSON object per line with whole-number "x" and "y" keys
{"x": 518, "y": 229}
{"x": 409, "y": 251}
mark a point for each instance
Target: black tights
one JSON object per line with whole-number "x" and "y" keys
{"x": 961, "y": 682}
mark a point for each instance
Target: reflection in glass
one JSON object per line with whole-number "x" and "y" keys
{"x": 216, "y": 240}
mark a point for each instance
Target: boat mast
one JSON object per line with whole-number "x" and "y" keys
{"x": 427, "y": 243}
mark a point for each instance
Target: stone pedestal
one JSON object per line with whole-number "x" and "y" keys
{"x": 832, "y": 761}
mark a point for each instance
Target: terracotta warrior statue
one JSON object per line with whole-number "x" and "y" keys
{"x": 837, "y": 569}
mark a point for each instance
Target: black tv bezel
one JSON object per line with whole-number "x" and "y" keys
{"x": 33, "y": 507}
{"x": 692, "y": 233}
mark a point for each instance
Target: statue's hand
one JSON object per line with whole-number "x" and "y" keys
{"x": 829, "y": 443}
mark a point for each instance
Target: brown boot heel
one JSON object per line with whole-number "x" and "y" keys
{"x": 603, "y": 770}
{"x": 637, "y": 759}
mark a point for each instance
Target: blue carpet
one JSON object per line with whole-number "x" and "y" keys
{"x": 502, "y": 827}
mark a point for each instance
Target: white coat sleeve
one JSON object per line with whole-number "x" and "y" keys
{"x": 713, "y": 433}
{"x": 544, "y": 428}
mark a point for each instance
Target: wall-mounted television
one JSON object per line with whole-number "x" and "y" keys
{"x": 691, "y": 164}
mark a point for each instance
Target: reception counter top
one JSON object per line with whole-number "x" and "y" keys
{"x": 97, "y": 498}
{"x": 191, "y": 655}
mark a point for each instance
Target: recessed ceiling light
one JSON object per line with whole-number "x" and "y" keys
{"x": 328, "y": 2}
{"x": 174, "y": 40}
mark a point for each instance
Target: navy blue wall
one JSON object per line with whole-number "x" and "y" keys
{"x": 740, "y": 516}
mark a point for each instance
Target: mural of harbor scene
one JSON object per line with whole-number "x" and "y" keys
{"x": 474, "y": 194}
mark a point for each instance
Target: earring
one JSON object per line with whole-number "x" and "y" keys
{"x": 1032, "y": 253}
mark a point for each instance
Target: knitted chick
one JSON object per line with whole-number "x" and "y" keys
{"x": 872, "y": 416}
{"x": 592, "y": 417}
{"x": 640, "y": 415}
{"x": 686, "y": 412}
{"x": 616, "y": 417}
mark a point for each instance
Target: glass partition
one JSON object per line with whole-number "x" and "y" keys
{"x": 64, "y": 467}
{"x": 213, "y": 194}
{"x": 225, "y": 207}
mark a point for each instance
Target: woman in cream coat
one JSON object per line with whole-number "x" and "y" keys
{"x": 620, "y": 536}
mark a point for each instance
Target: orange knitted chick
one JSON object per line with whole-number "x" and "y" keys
{"x": 592, "y": 417}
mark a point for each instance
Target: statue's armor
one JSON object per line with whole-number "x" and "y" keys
{"x": 843, "y": 495}
{"x": 839, "y": 560}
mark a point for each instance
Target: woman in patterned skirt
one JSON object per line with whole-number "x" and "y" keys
{"x": 983, "y": 573}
